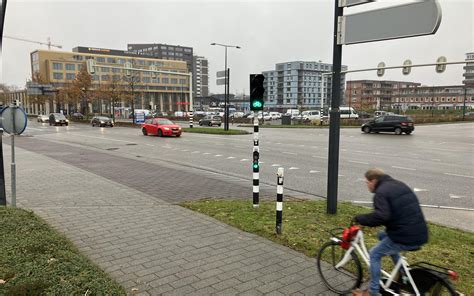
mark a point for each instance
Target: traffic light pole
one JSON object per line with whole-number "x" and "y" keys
{"x": 255, "y": 164}
{"x": 334, "y": 118}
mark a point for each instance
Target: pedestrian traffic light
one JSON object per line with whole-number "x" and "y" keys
{"x": 256, "y": 92}
{"x": 256, "y": 156}
{"x": 90, "y": 66}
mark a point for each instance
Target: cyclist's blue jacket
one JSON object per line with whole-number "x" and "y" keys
{"x": 397, "y": 207}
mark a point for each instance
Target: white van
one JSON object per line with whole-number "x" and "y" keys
{"x": 311, "y": 115}
{"x": 347, "y": 112}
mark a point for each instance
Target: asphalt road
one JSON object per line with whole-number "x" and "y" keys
{"x": 436, "y": 160}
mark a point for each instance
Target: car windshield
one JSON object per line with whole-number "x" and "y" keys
{"x": 164, "y": 121}
{"x": 216, "y": 117}
{"x": 103, "y": 118}
{"x": 59, "y": 116}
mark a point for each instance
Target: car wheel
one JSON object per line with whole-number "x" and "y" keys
{"x": 366, "y": 129}
{"x": 219, "y": 124}
{"x": 93, "y": 125}
{"x": 200, "y": 124}
{"x": 398, "y": 131}
{"x": 160, "y": 133}
{"x": 67, "y": 124}
{"x": 178, "y": 135}
{"x": 210, "y": 124}
{"x": 408, "y": 132}
{"x": 144, "y": 131}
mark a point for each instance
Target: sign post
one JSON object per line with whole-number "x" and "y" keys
{"x": 408, "y": 20}
{"x": 14, "y": 122}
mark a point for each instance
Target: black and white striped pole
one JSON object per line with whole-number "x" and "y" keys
{"x": 255, "y": 164}
{"x": 279, "y": 204}
{"x": 191, "y": 119}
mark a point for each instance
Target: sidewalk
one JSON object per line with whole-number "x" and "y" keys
{"x": 151, "y": 246}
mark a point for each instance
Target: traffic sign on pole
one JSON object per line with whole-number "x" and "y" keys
{"x": 441, "y": 67}
{"x": 220, "y": 81}
{"x": 14, "y": 120}
{"x": 347, "y": 3}
{"x": 408, "y": 20}
{"x": 220, "y": 74}
{"x": 381, "y": 69}
{"x": 406, "y": 67}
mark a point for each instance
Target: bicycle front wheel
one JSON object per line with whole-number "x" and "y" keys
{"x": 340, "y": 276}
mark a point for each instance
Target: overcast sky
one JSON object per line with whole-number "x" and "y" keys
{"x": 269, "y": 32}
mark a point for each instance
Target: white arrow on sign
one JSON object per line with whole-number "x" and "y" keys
{"x": 408, "y": 20}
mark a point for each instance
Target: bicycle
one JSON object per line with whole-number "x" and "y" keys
{"x": 341, "y": 270}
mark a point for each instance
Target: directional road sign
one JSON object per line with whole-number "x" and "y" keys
{"x": 408, "y": 20}
{"x": 220, "y": 74}
{"x": 220, "y": 81}
{"x": 347, "y": 3}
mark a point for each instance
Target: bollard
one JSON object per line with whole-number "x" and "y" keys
{"x": 191, "y": 119}
{"x": 255, "y": 164}
{"x": 279, "y": 204}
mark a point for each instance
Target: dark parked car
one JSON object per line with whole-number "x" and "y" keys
{"x": 58, "y": 119}
{"x": 101, "y": 121}
{"x": 389, "y": 123}
{"x": 77, "y": 115}
{"x": 211, "y": 120}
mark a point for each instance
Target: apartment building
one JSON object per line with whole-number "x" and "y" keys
{"x": 163, "y": 92}
{"x": 299, "y": 84}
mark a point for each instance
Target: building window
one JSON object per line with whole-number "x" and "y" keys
{"x": 122, "y": 61}
{"x": 111, "y": 60}
{"x": 58, "y": 76}
{"x": 105, "y": 78}
{"x": 115, "y": 70}
{"x": 146, "y": 79}
{"x": 165, "y": 80}
{"x": 95, "y": 77}
{"x": 174, "y": 81}
{"x": 116, "y": 78}
{"x": 71, "y": 67}
{"x": 155, "y": 80}
{"x": 104, "y": 69}
{"x": 70, "y": 76}
{"x": 57, "y": 66}
{"x": 182, "y": 81}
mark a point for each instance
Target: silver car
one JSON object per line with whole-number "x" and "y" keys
{"x": 43, "y": 118}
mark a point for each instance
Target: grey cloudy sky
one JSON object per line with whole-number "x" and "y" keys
{"x": 269, "y": 32}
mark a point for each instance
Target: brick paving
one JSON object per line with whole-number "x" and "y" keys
{"x": 127, "y": 222}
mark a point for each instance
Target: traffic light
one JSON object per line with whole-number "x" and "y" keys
{"x": 256, "y": 92}
{"x": 256, "y": 156}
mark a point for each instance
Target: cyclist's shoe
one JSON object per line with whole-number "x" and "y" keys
{"x": 359, "y": 292}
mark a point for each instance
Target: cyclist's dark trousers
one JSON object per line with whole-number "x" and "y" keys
{"x": 386, "y": 247}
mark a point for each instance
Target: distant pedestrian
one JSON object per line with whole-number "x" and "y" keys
{"x": 397, "y": 208}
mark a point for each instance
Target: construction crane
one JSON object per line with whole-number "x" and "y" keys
{"x": 49, "y": 44}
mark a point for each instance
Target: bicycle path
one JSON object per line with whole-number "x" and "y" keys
{"x": 148, "y": 244}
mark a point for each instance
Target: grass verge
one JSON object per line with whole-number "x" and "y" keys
{"x": 305, "y": 226}
{"x": 215, "y": 131}
{"x": 36, "y": 260}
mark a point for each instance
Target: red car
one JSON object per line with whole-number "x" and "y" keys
{"x": 161, "y": 127}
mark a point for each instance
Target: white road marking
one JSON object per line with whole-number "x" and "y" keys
{"x": 360, "y": 180}
{"x": 344, "y": 150}
{"x": 278, "y": 143}
{"x": 103, "y": 138}
{"x": 276, "y": 164}
{"x": 322, "y": 157}
{"x": 355, "y": 161}
{"x": 244, "y": 159}
{"x": 455, "y": 196}
{"x": 150, "y": 145}
{"x": 315, "y": 147}
{"x": 260, "y": 161}
{"x": 457, "y": 175}
{"x": 217, "y": 155}
{"x": 341, "y": 175}
{"x": 358, "y": 151}
{"x": 403, "y": 168}
{"x": 230, "y": 157}
{"x": 313, "y": 172}
{"x": 419, "y": 189}
{"x": 185, "y": 150}
{"x": 294, "y": 168}
{"x": 301, "y": 145}
{"x": 436, "y": 159}
{"x": 196, "y": 152}
{"x": 292, "y": 153}
{"x": 206, "y": 153}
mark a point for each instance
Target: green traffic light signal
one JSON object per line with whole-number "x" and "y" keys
{"x": 257, "y": 104}
{"x": 255, "y": 165}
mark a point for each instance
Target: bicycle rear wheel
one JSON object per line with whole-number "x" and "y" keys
{"x": 343, "y": 279}
{"x": 431, "y": 283}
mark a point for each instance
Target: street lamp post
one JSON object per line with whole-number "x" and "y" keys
{"x": 226, "y": 100}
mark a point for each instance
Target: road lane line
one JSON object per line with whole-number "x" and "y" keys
{"x": 355, "y": 161}
{"x": 196, "y": 152}
{"x": 457, "y": 175}
{"x": 453, "y": 196}
{"x": 276, "y": 164}
{"x": 104, "y": 138}
{"x": 294, "y": 168}
{"x": 218, "y": 155}
{"x": 322, "y": 157}
{"x": 150, "y": 145}
{"x": 313, "y": 172}
{"x": 230, "y": 157}
{"x": 403, "y": 168}
{"x": 419, "y": 189}
{"x": 292, "y": 153}
{"x": 206, "y": 153}
{"x": 244, "y": 159}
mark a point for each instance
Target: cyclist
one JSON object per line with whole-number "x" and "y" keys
{"x": 397, "y": 208}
